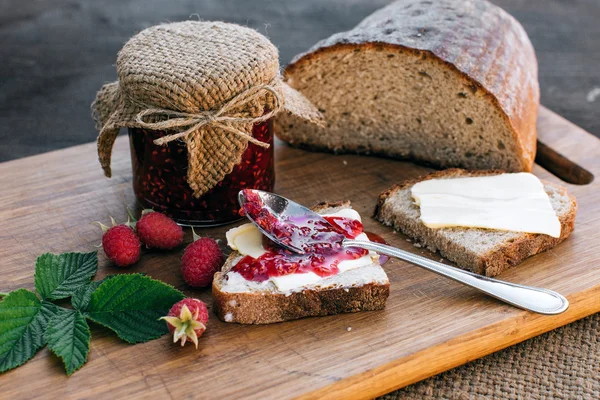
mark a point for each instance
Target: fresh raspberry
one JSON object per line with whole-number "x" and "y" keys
{"x": 200, "y": 261}
{"x": 158, "y": 231}
{"x": 187, "y": 320}
{"x": 120, "y": 244}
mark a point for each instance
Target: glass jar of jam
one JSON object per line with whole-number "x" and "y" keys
{"x": 197, "y": 77}
{"x": 160, "y": 178}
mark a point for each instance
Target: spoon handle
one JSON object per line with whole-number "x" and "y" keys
{"x": 539, "y": 300}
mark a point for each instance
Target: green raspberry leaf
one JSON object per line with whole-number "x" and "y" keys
{"x": 131, "y": 305}
{"x": 68, "y": 336}
{"x": 23, "y": 320}
{"x": 57, "y": 276}
{"x": 82, "y": 296}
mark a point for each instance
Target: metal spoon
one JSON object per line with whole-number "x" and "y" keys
{"x": 539, "y": 300}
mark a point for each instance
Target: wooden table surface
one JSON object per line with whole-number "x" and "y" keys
{"x": 57, "y": 53}
{"x": 430, "y": 323}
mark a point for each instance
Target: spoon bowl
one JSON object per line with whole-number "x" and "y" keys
{"x": 283, "y": 210}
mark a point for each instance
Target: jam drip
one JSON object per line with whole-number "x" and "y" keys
{"x": 321, "y": 241}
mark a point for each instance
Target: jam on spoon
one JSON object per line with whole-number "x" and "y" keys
{"x": 321, "y": 241}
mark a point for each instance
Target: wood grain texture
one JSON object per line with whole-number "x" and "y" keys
{"x": 429, "y": 325}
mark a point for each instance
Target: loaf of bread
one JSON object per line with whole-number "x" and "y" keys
{"x": 451, "y": 83}
{"x": 361, "y": 289}
{"x": 483, "y": 251}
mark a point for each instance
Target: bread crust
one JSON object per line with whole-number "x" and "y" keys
{"x": 500, "y": 257}
{"x": 474, "y": 38}
{"x": 268, "y": 307}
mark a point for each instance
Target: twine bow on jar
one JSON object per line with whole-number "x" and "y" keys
{"x": 221, "y": 118}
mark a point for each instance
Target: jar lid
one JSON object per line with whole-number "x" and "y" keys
{"x": 206, "y": 83}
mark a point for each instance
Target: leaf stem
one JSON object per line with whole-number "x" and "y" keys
{"x": 3, "y": 294}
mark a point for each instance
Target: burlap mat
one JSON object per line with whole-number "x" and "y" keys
{"x": 561, "y": 364}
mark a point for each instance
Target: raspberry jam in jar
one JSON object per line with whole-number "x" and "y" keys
{"x": 160, "y": 178}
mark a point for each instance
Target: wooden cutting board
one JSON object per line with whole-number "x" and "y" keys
{"x": 430, "y": 325}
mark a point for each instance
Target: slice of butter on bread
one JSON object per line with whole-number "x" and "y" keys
{"x": 514, "y": 202}
{"x": 365, "y": 288}
{"x": 452, "y": 83}
{"x": 483, "y": 251}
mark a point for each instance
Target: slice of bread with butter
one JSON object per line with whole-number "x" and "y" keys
{"x": 484, "y": 221}
{"x": 360, "y": 285}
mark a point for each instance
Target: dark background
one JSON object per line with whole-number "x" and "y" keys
{"x": 55, "y": 54}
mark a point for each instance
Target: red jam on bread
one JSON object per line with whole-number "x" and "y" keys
{"x": 321, "y": 241}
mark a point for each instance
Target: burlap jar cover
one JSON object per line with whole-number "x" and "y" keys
{"x": 206, "y": 83}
